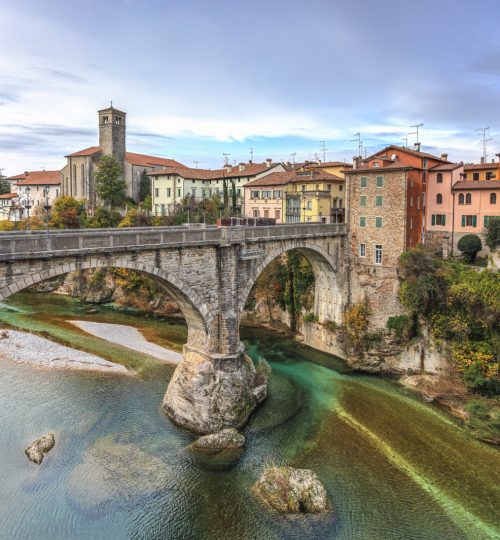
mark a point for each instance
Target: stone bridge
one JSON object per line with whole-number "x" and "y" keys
{"x": 210, "y": 272}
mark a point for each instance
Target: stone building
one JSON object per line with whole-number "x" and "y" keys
{"x": 78, "y": 175}
{"x": 386, "y": 198}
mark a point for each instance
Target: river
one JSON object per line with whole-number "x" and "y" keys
{"x": 394, "y": 468}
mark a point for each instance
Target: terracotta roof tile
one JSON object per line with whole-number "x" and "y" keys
{"x": 8, "y": 196}
{"x": 446, "y": 167}
{"x": 476, "y": 184}
{"x": 37, "y": 178}
{"x": 407, "y": 150}
{"x": 86, "y": 152}
{"x": 150, "y": 161}
{"x": 481, "y": 166}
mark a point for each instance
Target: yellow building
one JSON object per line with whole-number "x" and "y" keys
{"x": 482, "y": 171}
{"x": 332, "y": 167}
{"x": 314, "y": 195}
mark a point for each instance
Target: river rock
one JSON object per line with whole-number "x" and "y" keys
{"x": 227, "y": 439}
{"x": 40, "y": 447}
{"x": 291, "y": 490}
{"x": 207, "y": 394}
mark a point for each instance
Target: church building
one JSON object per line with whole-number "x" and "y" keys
{"x": 79, "y": 172}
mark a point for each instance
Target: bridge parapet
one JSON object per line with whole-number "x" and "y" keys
{"x": 57, "y": 243}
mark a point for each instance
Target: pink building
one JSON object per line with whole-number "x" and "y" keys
{"x": 264, "y": 196}
{"x": 456, "y": 207}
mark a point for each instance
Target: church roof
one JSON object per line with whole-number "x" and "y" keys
{"x": 141, "y": 160}
{"x": 37, "y": 178}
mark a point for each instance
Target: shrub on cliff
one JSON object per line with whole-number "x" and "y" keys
{"x": 470, "y": 245}
{"x": 356, "y": 326}
{"x": 103, "y": 218}
{"x": 493, "y": 233}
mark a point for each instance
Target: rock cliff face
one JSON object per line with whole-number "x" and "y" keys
{"x": 207, "y": 394}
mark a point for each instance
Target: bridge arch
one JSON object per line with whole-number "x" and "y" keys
{"x": 195, "y": 311}
{"x": 328, "y": 294}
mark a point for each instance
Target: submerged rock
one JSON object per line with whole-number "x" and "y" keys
{"x": 291, "y": 490}
{"x": 227, "y": 439}
{"x": 40, "y": 447}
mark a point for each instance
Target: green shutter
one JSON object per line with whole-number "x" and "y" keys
{"x": 474, "y": 221}
{"x": 443, "y": 219}
{"x": 433, "y": 219}
{"x": 463, "y": 221}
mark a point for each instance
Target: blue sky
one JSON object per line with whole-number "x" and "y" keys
{"x": 199, "y": 78}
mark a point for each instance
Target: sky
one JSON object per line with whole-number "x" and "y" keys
{"x": 200, "y": 78}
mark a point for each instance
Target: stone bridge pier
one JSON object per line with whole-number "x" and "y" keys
{"x": 210, "y": 272}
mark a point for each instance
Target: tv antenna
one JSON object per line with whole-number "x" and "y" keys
{"x": 251, "y": 155}
{"x": 323, "y": 149}
{"x": 226, "y": 160}
{"x": 293, "y": 157}
{"x": 405, "y": 139}
{"x": 196, "y": 163}
{"x": 485, "y": 142}
{"x": 360, "y": 143}
{"x": 417, "y": 126}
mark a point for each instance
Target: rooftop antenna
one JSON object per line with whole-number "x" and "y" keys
{"x": 485, "y": 142}
{"x": 251, "y": 155}
{"x": 405, "y": 139}
{"x": 111, "y": 103}
{"x": 196, "y": 163}
{"x": 323, "y": 149}
{"x": 226, "y": 160}
{"x": 417, "y": 126}
{"x": 293, "y": 157}
{"x": 360, "y": 143}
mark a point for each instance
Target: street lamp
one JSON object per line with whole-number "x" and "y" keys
{"x": 27, "y": 203}
{"x": 47, "y": 207}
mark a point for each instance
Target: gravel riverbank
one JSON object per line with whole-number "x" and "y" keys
{"x": 130, "y": 337}
{"x": 26, "y": 348}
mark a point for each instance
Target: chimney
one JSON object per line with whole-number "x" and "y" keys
{"x": 356, "y": 162}
{"x": 444, "y": 156}
{"x": 269, "y": 162}
{"x": 242, "y": 167}
{"x": 482, "y": 159}
{"x": 417, "y": 146}
{"x": 228, "y": 168}
{"x": 498, "y": 156}
{"x": 26, "y": 173}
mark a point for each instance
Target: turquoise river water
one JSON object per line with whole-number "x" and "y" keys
{"x": 394, "y": 467}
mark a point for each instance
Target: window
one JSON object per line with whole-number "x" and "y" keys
{"x": 309, "y": 205}
{"x": 178, "y": 192}
{"x": 169, "y": 192}
{"x": 469, "y": 221}
{"x": 267, "y": 194}
{"x": 105, "y": 120}
{"x": 424, "y": 163}
{"x": 203, "y": 193}
{"x": 157, "y": 192}
{"x": 277, "y": 194}
{"x": 255, "y": 212}
{"x": 376, "y": 163}
{"x": 378, "y": 222}
{"x": 379, "y": 200}
{"x": 418, "y": 203}
{"x": 277, "y": 214}
{"x": 438, "y": 219}
{"x": 254, "y": 194}
{"x": 266, "y": 212}
{"x": 461, "y": 199}
{"x": 411, "y": 201}
{"x": 193, "y": 190}
{"x": 362, "y": 250}
{"x": 362, "y": 200}
{"x": 439, "y": 199}
{"x": 303, "y": 187}
{"x": 475, "y": 176}
{"x": 490, "y": 175}
{"x": 362, "y": 221}
{"x": 341, "y": 187}
{"x": 439, "y": 178}
{"x": 468, "y": 198}
{"x": 493, "y": 198}
{"x": 380, "y": 181}
{"x": 363, "y": 181}
{"x": 378, "y": 254}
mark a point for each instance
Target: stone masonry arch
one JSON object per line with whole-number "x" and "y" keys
{"x": 328, "y": 293}
{"x": 196, "y": 313}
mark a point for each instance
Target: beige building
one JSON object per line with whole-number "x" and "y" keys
{"x": 79, "y": 171}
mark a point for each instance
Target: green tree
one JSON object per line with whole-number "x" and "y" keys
{"x": 493, "y": 233}
{"x": 233, "y": 195}
{"x": 470, "y": 245}
{"x": 68, "y": 213}
{"x": 111, "y": 187}
{"x": 135, "y": 218}
{"x": 103, "y": 218}
{"x": 5, "y": 186}
{"x": 144, "y": 187}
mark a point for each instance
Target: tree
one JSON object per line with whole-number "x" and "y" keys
{"x": 470, "y": 245}
{"x": 493, "y": 233}
{"x": 233, "y": 194}
{"x": 5, "y": 186}
{"x": 111, "y": 188}
{"x": 103, "y": 218}
{"x": 68, "y": 213}
{"x": 144, "y": 187}
{"x": 135, "y": 218}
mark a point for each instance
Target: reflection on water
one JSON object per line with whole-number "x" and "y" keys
{"x": 394, "y": 468}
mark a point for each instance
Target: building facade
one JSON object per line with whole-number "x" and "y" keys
{"x": 78, "y": 175}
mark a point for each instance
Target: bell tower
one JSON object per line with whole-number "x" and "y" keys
{"x": 112, "y": 132}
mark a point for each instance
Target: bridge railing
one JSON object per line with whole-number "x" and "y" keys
{"x": 67, "y": 241}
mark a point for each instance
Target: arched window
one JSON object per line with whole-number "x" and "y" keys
{"x": 74, "y": 181}
{"x": 461, "y": 198}
{"x": 440, "y": 178}
{"x": 84, "y": 190}
{"x": 468, "y": 198}
{"x": 493, "y": 198}
{"x": 439, "y": 199}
